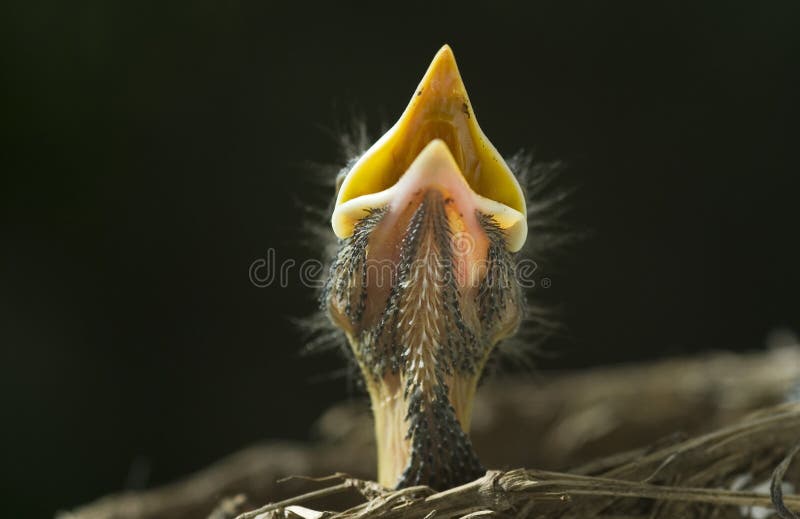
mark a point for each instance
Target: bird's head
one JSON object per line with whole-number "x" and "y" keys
{"x": 423, "y": 284}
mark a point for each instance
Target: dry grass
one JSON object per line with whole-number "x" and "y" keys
{"x": 726, "y": 473}
{"x": 726, "y": 433}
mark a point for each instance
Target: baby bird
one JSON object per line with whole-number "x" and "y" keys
{"x": 423, "y": 284}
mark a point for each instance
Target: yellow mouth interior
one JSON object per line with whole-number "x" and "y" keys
{"x": 439, "y": 109}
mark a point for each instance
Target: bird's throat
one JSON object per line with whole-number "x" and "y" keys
{"x": 419, "y": 335}
{"x": 422, "y": 408}
{"x": 423, "y": 439}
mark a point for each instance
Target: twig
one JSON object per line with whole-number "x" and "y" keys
{"x": 316, "y": 494}
{"x": 776, "y": 486}
{"x": 499, "y": 492}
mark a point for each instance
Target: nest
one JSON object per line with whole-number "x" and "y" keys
{"x": 714, "y": 436}
{"x": 721, "y": 474}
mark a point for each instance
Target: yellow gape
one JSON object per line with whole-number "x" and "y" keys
{"x": 439, "y": 109}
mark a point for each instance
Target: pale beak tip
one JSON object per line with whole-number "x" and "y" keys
{"x": 443, "y": 75}
{"x": 446, "y": 52}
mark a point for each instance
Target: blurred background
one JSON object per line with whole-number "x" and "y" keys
{"x": 154, "y": 150}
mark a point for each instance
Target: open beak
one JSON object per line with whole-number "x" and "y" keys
{"x": 439, "y": 109}
{"x": 423, "y": 284}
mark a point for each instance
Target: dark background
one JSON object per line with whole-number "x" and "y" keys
{"x": 153, "y": 150}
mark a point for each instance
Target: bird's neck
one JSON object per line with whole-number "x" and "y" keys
{"x": 414, "y": 441}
